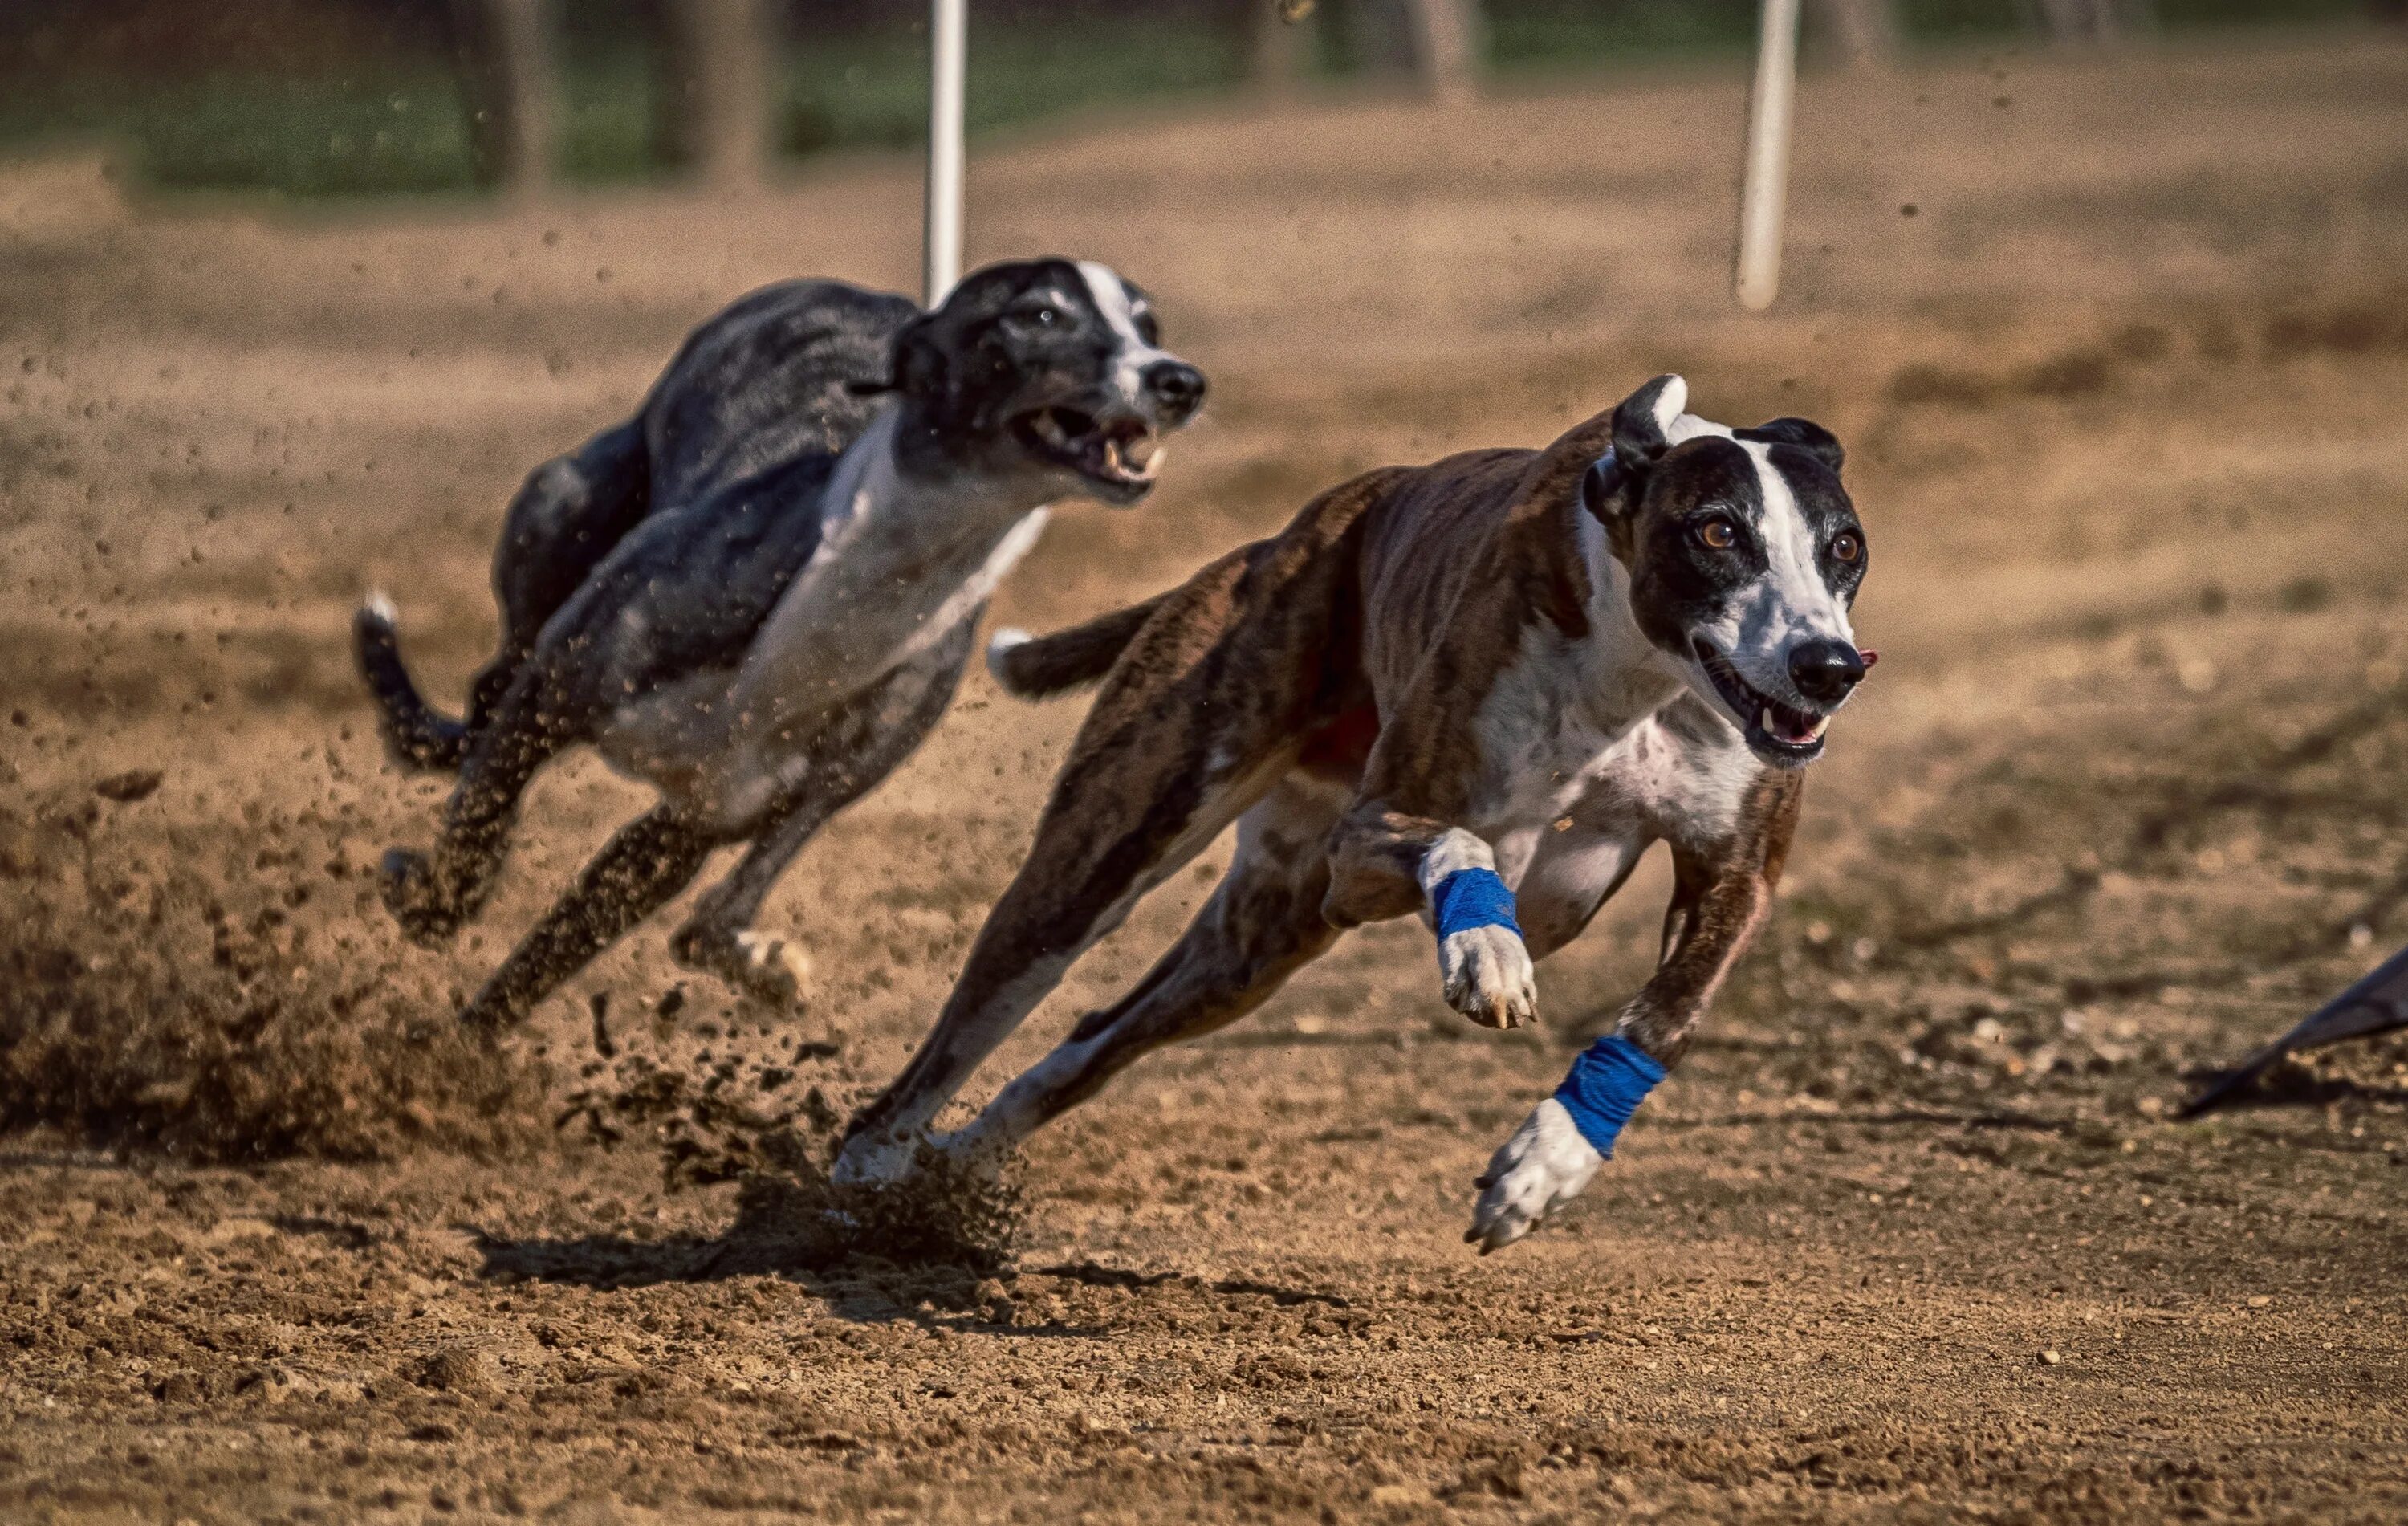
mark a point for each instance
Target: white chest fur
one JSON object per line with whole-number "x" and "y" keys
{"x": 900, "y": 563}
{"x": 1591, "y": 749}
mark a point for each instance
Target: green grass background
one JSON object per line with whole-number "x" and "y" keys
{"x": 396, "y": 125}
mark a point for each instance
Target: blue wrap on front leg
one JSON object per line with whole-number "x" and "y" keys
{"x": 1605, "y": 1086}
{"x": 1473, "y": 898}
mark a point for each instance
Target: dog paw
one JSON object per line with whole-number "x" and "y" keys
{"x": 768, "y": 969}
{"x": 876, "y": 1157}
{"x": 416, "y": 897}
{"x": 1543, "y": 1166}
{"x": 1488, "y": 976}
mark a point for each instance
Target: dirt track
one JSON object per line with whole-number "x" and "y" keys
{"x": 1909, "y": 1237}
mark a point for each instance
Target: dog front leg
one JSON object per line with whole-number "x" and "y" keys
{"x": 1389, "y": 864}
{"x": 646, "y": 863}
{"x": 1719, "y": 899}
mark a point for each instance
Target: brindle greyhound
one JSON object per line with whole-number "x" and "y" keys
{"x": 759, "y": 593}
{"x": 1466, "y": 690}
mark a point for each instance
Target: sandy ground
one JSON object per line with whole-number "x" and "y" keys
{"x": 2119, "y": 351}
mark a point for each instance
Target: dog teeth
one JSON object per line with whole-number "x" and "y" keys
{"x": 1137, "y": 452}
{"x": 1049, "y": 429}
{"x": 1764, "y": 719}
{"x": 1814, "y": 732}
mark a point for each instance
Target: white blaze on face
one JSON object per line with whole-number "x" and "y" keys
{"x": 1792, "y": 603}
{"x": 1111, "y": 296}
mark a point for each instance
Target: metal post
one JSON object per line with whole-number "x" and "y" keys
{"x": 1764, "y": 191}
{"x": 948, "y": 56}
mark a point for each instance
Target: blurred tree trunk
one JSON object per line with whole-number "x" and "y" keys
{"x": 1865, "y": 31}
{"x": 1437, "y": 41}
{"x": 2095, "y": 21}
{"x": 1281, "y": 46}
{"x": 716, "y": 88}
{"x": 1379, "y": 35}
{"x": 1447, "y": 47}
{"x": 506, "y": 64}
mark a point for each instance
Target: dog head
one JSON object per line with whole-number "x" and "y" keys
{"x": 1744, "y": 555}
{"x": 1053, "y": 368}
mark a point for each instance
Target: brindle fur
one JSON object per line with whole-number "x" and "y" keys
{"x": 1319, "y": 689}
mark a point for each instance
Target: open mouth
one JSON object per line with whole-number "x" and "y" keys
{"x": 1781, "y": 733}
{"x": 1121, "y": 455}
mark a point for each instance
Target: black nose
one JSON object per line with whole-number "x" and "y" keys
{"x": 1824, "y": 672}
{"x": 1176, "y": 385}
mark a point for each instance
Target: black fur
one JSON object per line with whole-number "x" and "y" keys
{"x": 653, "y": 554}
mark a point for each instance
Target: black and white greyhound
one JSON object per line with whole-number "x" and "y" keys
{"x": 758, "y": 594}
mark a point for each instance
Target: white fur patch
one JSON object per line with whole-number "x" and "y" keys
{"x": 1111, "y": 296}
{"x": 1544, "y": 1165}
{"x": 1793, "y": 602}
{"x": 1455, "y": 850}
{"x": 1670, "y": 405}
{"x": 1000, "y": 646}
{"x": 900, "y": 565}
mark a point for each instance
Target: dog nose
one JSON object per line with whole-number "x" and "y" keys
{"x": 1176, "y": 385}
{"x": 1824, "y": 672}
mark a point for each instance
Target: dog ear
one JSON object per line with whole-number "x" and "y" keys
{"x": 918, "y": 365}
{"x": 1601, "y": 488}
{"x": 1643, "y": 427}
{"x": 1642, "y": 422}
{"x": 1805, "y": 434}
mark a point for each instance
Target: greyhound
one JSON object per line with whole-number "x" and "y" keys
{"x": 758, "y": 594}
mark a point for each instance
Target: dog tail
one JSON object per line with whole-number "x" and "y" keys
{"x": 1038, "y": 667}
{"x": 416, "y": 734}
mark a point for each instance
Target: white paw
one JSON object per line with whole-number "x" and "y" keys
{"x": 1545, "y": 1165}
{"x": 1488, "y": 976}
{"x": 779, "y": 968}
{"x": 874, "y": 1158}
{"x": 965, "y": 1152}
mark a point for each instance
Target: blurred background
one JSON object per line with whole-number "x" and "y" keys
{"x": 321, "y": 98}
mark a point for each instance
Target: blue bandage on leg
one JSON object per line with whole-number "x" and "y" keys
{"x": 1605, "y": 1086}
{"x": 1473, "y": 898}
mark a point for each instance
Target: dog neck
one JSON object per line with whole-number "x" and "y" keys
{"x": 1622, "y": 678}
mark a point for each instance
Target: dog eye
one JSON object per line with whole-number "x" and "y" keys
{"x": 1846, "y": 547}
{"x": 1717, "y": 535}
{"x": 1148, "y": 329}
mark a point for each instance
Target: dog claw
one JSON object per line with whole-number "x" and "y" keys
{"x": 1544, "y": 1165}
{"x": 1488, "y": 976}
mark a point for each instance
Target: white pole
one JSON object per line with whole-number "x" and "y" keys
{"x": 1764, "y": 191}
{"x": 948, "y": 57}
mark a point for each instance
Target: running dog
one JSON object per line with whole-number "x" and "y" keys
{"x": 759, "y": 593}
{"x": 1476, "y": 691}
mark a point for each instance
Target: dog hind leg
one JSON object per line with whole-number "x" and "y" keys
{"x": 432, "y": 894}
{"x": 1263, "y": 924}
{"x": 852, "y": 754}
{"x": 565, "y": 519}
{"x": 566, "y": 516}
{"x": 718, "y": 938}
{"x": 648, "y": 861}
{"x": 1197, "y": 721}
